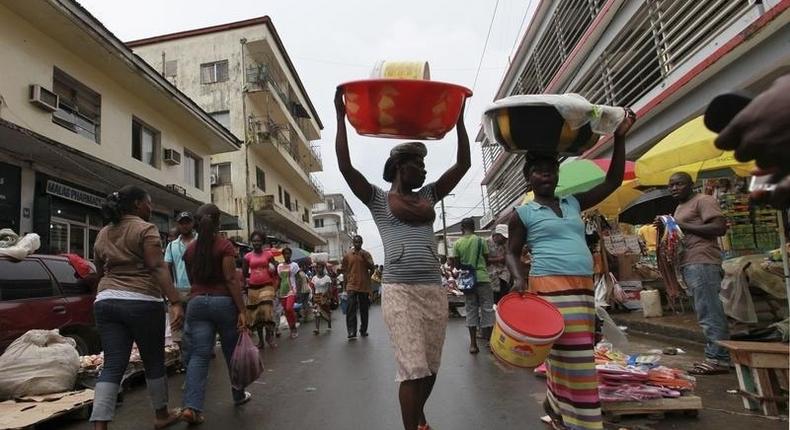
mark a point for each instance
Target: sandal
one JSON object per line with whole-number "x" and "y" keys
{"x": 552, "y": 418}
{"x": 708, "y": 368}
{"x": 424, "y": 427}
{"x": 192, "y": 417}
{"x": 247, "y": 397}
{"x": 173, "y": 417}
{"x": 474, "y": 349}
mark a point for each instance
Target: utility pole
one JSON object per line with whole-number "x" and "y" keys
{"x": 444, "y": 232}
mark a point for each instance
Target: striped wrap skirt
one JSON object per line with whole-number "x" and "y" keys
{"x": 570, "y": 368}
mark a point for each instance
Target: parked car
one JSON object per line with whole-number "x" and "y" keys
{"x": 45, "y": 292}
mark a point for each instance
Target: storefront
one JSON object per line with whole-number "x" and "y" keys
{"x": 66, "y": 216}
{"x": 10, "y": 178}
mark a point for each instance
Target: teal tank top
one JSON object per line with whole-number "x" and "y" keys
{"x": 557, "y": 243}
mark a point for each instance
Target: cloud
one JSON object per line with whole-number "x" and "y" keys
{"x": 336, "y": 41}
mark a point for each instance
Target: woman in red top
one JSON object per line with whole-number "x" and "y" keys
{"x": 259, "y": 270}
{"x": 215, "y": 306}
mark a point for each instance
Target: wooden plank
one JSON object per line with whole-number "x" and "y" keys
{"x": 769, "y": 347}
{"x": 683, "y": 403}
{"x": 769, "y": 361}
{"x": 781, "y": 375}
{"x": 765, "y": 389}
{"x": 746, "y": 384}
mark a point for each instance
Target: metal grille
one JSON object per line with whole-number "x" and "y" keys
{"x": 490, "y": 153}
{"x": 658, "y": 38}
{"x": 507, "y": 187}
{"x": 567, "y": 24}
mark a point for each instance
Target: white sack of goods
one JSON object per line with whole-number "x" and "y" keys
{"x": 38, "y": 362}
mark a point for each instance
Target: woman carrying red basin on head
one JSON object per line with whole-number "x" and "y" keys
{"x": 414, "y": 304}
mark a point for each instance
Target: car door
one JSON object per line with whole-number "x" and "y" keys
{"x": 78, "y": 293}
{"x": 29, "y": 299}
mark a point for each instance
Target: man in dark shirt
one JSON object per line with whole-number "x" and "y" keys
{"x": 357, "y": 269}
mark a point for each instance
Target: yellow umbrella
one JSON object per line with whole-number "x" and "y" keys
{"x": 612, "y": 205}
{"x": 688, "y": 149}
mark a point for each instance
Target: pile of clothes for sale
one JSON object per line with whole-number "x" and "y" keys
{"x": 637, "y": 377}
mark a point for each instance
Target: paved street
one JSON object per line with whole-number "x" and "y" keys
{"x": 326, "y": 382}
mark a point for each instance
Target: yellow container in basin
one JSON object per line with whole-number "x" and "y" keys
{"x": 525, "y": 330}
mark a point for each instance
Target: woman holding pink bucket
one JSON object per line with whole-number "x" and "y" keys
{"x": 561, "y": 273}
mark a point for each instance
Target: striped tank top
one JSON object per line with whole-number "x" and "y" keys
{"x": 410, "y": 255}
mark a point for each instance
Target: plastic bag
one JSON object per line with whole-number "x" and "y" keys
{"x": 38, "y": 362}
{"x": 246, "y": 364}
{"x": 21, "y": 248}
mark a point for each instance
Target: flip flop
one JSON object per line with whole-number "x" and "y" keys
{"x": 192, "y": 417}
{"x": 247, "y": 397}
{"x": 174, "y": 417}
{"x": 706, "y": 368}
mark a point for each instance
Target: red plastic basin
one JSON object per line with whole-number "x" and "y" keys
{"x": 403, "y": 109}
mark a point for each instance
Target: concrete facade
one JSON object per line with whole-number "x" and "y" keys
{"x": 665, "y": 60}
{"x": 59, "y": 161}
{"x": 264, "y": 104}
{"x": 336, "y": 223}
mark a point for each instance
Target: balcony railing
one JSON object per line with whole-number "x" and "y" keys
{"x": 262, "y": 74}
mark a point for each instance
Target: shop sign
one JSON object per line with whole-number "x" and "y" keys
{"x": 73, "y": 194}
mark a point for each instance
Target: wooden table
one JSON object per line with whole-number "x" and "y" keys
{"x": 762, "y": 369}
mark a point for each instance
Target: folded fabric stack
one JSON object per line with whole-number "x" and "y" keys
{"x": 644, "y": 380}
{"x": 667, "y": 377}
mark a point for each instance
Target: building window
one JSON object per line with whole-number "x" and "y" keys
{"x": 287, "y": 198}
{"x": 145, "y": 143}
{"x": 79, "y": 107}
{"x": 170, "y": 68}
{"x": 318, "y": 223}
{"x": 260, "y": 179}
{"x": 280, "y": 194}
{"x": 220, "y": 174}
{"x": 306, "y": 215}
{"x": 214, "y": 72}
{"x": 193, "y": 170}
{"x": 296, "y": 205}
{"x": 222, "y": 117}
{"x": 23, "y": 280}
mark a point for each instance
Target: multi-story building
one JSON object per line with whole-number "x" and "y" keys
{"x": 336, "y": 223}
{"x": 664, "y": 59}
{"x": 241, "y": 74}
{"x": 454, "y": 233}
{"x": 80, "y": 117}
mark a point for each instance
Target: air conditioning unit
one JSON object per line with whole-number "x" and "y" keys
{"x": 213, "y": 179}
{"x": 177, "y": 188}
{"x": 172, "y": 157}
{"x": 43, "y": 98}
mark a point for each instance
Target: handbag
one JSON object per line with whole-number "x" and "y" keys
{"x": 467, "y": 274}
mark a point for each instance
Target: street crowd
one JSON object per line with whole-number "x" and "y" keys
{"x": 201, "y": 267}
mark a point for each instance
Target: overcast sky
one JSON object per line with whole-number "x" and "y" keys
{"x": 331, "y": 42}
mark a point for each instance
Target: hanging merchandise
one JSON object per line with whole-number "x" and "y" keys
{"x": 670, "y": 247}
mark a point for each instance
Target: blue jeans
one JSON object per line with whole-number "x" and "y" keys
{"x": 207, "y": 316}
{"x": 120, "y": 323}
{"x": 704, "y": 284}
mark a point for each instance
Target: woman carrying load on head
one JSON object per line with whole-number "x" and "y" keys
{"x": 413, "y": 302}
{"x": 561, "y": 272}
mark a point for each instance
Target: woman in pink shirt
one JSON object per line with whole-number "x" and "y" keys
{"x": 260, "y": 272}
